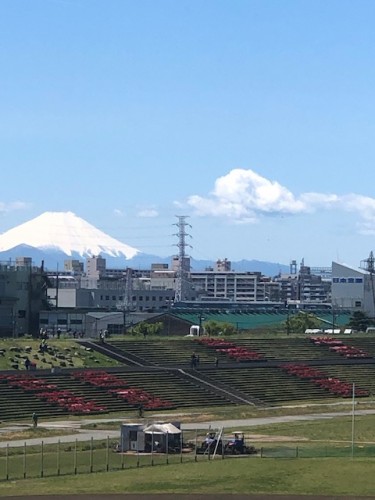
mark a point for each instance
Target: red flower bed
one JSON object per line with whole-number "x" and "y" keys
{"x": 49, "y": 392}
{"x": 99, "y": 378}
{"x": 335, "y": 386}
{"x": 338, "y": 346}
{"x": 303, "y": 371}
{"x": 135, "y": 397}
{"x": 215, "y": 343}
{"x": 67, "y": 400}
{"x": 234, "y": 352}
{"x": 28, "y": 384}
{"x": 119, "y": 388}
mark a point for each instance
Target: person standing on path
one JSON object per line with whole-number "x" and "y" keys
{"x": 35, "y": 420}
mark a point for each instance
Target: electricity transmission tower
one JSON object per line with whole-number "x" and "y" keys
{"x": 183, "y": 268}
{"x": 369, "y": 266}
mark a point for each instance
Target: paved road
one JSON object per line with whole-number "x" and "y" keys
{"x": 252, "y": 422}
{"x": 88, "y": 434}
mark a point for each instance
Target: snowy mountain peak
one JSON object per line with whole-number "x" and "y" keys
{"x": 66, "y": 232}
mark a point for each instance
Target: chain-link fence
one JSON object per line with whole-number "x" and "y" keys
{"x": 46, "y": 460}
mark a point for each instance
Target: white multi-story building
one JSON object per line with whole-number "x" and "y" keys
{"x": 233, "y": 286}
{"x": 353, "y": 289}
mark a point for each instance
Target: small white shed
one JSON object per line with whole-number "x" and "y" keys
{"x": 132, "y": 437}
{"x": 157, "y": 437}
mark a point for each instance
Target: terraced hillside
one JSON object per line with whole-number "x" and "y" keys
{"x": 289, "y": 349}
{"x": 362, "y": 375}
{"x": 269, "y": 385}
{"x": 367, "y": 343}
{"x": 172, "y": 387}
{"x": 177, "y": 352}
{"x": 164, "y": 372}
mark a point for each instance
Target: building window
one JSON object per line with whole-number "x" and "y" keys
{"x": 358, "y": 303}
{"x": 76, "y": 322}
{"x": 133, "y": 435}
{"x": 107, "y": 297}
{"x": 359, "y": 280}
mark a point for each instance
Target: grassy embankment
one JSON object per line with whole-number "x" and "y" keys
{"x": 303, "y": 476}
{"x": 63, "y": 353}
{"x": 323, "y": 475}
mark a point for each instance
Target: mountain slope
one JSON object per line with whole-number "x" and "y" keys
{"x": 53, "y": 237}
{"x": 64, "y": 232}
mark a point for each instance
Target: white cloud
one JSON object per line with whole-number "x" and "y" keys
{"x": 118, "y": 213}
{"x": 244, "y": 196}
{"x": 148, "y": 213}
{"x": 179, "y": 204}
{"x": 13, "y": 206}
{"x": 313, "y": 201}
{"x": 364, "y": 206}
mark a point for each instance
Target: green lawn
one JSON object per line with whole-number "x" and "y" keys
{"x": 338, "y": 429}
{"x": 252, "y": 475}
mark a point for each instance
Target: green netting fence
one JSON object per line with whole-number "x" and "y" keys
{"x": 59, "y": 459}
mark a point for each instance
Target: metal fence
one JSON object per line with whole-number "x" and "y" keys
{"x": 32, "y": 461}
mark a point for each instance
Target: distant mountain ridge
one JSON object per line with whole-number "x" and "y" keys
{"x": 54, "y": 237}
{"x": 54, "y": 260}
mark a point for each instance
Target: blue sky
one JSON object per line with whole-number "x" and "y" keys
{"x": 253, "y": 118}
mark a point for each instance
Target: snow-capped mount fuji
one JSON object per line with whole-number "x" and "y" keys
{"x": 54, "y": 237}
{"x": 61, "y": 233}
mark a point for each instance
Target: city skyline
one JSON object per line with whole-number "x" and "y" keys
{"x": 252, "y": 119}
